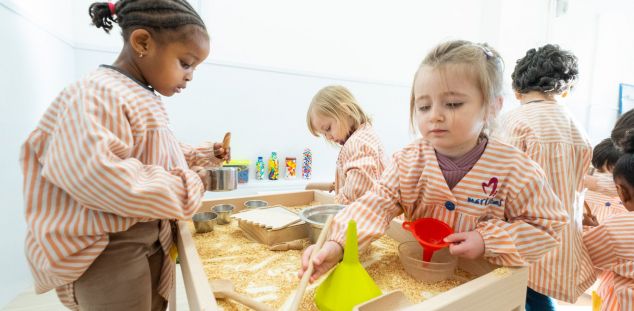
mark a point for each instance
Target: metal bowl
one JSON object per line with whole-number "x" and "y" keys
{"x": 255, "y": 204}
{"x": 316, "y": 216}
{"x": 222, "y": 179}
{"x": 223, "y": 211}
{"x": 204, "y": 222}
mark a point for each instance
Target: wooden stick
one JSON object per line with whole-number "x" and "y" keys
{"x": 309, "y": 272}
{"x": 323, "y": 186}
{"x": 588, "y": 211}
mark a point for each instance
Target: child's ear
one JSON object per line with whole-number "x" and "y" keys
{"x": 624, "y": 193}
{"x": 518, "y": 95}
{"x": 140, "y": 40}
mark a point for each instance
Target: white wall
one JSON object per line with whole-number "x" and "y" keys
{"x": 36, "y": 62}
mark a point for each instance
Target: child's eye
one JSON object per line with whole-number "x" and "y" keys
{"x": 185, "y": 65}
{"x": 423, "y": 108}
{"x": 454, "y": 105}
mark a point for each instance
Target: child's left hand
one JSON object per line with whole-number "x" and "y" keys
{"x": 469, "y": 245}
{"x": 221, "y": 153}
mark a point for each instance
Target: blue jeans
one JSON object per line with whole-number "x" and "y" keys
{"x": 538, "y": 302}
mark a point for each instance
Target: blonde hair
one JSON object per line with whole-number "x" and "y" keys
{"x": 336, "y": 102}
{"x": 482, "y": 60}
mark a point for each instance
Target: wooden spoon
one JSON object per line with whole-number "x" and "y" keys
{"x": 226, "y": 141}
{"x": 224, "y": 289}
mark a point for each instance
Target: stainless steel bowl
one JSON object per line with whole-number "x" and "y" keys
{"x": 316, "y": 216}
{"x": 223, "y": 211}
{"x": 255, "y": 204}
{"x": 204, "y": 222}
{"x": 222, "y": 179}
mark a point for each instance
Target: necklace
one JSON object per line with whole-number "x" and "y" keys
{"x": 534, "y": 101}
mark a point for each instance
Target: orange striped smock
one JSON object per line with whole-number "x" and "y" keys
{"x": 505, "y": 197}
{"x": 603, "y": 206}
{"x": 549, "y": 136}
{"x": 610, "y": 247}
{"x": 101, "y": 159}
{"x": 360, "y": 164}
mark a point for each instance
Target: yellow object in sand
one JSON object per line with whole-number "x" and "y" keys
{"x": 173, "y": 252}
{"x": 596, "y": 301}
{"x": 349, "y": 284}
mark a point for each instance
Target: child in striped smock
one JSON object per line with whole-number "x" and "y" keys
{"x": 335, "y": 114}
{"x": 547, "y": 133}
{"x": 496, "y": 199}
{"x": 602, "y": 204}
{"x": 610, "y": 244}
{"x": 103, "y": 173}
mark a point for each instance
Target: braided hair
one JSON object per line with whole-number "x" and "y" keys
{"x": 548, "y": 69}
{"x": 155, "y": 16}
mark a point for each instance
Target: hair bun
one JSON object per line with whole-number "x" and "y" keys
{"x": 101, "y": 15}
{"x": 628, "y": 141}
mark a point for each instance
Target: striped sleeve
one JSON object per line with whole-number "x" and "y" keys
{"x": 602, "y": 183}
{"x": 90, "y": 159}
{"x": 512, "y": 132}
{"x": 202, "y": 155}
{"x": 610, "y": 245}
{"x": 373, "y": 211}
{"x": 534, "y": 220}
{"x": 360, "y": 169}
{"x": 610, "y": 248}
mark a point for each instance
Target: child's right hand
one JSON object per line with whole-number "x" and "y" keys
{"x": 328, "y": 256}
{"x": 589, "y": 220}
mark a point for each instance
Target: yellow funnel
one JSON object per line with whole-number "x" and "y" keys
{"x": 349, "y": 284}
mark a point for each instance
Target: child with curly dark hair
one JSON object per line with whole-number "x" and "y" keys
{"x": 546, "y": 132}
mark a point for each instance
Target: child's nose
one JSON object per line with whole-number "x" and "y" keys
{"x": 437, "y": 113}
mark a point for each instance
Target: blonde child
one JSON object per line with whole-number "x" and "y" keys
{"x": 495, "y": 198}
{"x": 610, "y": 243}
{"x": 545, "y": 130}
{"x": 335, "y": 114}
{"x": 103, "y": 173}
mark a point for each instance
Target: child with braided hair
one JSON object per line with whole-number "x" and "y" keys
{"x": 104, "y": 175}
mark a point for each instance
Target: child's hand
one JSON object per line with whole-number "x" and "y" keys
{"x": 327, "y": 257}
{"x": 589, "y": 220}
{"x": 332, "y": 187}
{"x": 469, "y": 245}
{"x": 203, "y": 173}
{"x": 221, "y": 153}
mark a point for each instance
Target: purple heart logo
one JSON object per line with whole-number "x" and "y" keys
{"x": 492, "y": 184}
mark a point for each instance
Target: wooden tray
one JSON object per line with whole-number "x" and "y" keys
{"x": 496, "y": 288}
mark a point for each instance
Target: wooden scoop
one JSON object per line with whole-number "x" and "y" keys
{"x": 295, "y": 244}
{"x": 323, "y": 186}
{"x": 226, "y": 141}
{"x": 224, "y": 289}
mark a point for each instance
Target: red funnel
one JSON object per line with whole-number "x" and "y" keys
{"x": 429, "y": 232}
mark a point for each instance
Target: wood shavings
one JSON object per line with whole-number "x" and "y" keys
{"x": 271, "y": 277}
{"x": 502, "y": 272}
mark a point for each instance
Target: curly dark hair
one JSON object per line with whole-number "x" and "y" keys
{"x": 548, "y": 69}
